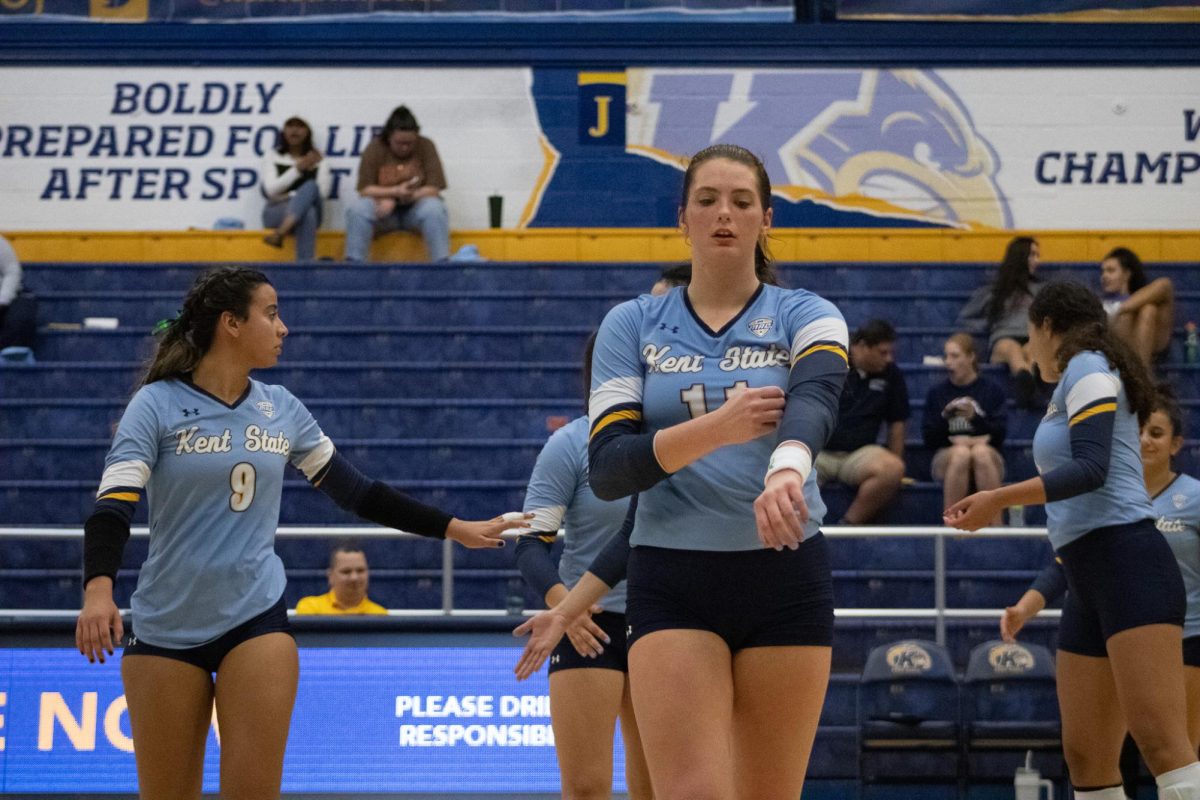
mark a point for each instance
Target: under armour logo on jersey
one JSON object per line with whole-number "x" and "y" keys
{"x": 555, "y": 659}
{"x": 189, "y": 412}
{"x": 662, "y": 326}
{"x": 132, "y": 641}
{"x": 629, "y": 630}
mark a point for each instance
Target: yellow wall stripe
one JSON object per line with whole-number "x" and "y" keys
{"x": 614, "y": 417}
{"x": 608, "y": 78}
{"x": 1091, "y": 412}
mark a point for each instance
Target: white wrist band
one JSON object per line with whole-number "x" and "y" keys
{"x": 790, "y": 456}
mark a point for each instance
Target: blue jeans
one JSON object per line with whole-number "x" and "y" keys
{"x": 427, "y": 216}
{"x": 305, "y": 206}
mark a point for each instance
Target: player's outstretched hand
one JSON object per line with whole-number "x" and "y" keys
{"x": 973, "y": 512}
{"x": 546, "y": 629}
{"x": 586, "y": 636}
{"x": 99, "y": 628}
{"x": 1011, "y": 622}
{"x": 486, "y": 533}
{"x": 751, "y": 413}
{"x": 781, "y": 512}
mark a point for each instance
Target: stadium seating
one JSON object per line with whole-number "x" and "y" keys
{"x": 908, "y": 714}
{"x": 1009, "y": 709}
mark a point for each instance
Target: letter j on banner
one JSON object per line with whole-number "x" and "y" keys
{"x": 602, "y": 108}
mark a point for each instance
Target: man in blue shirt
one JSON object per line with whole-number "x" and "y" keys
{"x": 875, "y": 393}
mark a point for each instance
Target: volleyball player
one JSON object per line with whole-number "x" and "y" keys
{"x": 1175, "y": 498}
{"x": 209, "y": 444}
{"x": 589, "y": 686}
{"x": 1120, "y": 663}
{"x": 729, "y": 596}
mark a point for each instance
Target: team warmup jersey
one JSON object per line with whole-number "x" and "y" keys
{"x": 1177, "y": 515}
{"x": 1089, "y": 387}
{"x": 559, "y": 496}
{"x": 657, "y": 361}
{"x": 213, "y": 474}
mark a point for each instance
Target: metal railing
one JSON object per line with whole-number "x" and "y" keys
{"x": 939, "y": 612}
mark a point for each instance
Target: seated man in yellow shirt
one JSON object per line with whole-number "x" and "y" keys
{"x": 348, "y": 579}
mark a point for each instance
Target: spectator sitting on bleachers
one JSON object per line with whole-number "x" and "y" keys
{"x": 964, "y": 424}
{"x": 348, "y": 579}
{"x": 295, "y": 178}
{"x": 1001, "y": 310}
{"x": 1141, "y": 311}
{"x": 18, "y": 311}
{"x": 875, "y": 392}
{"x": 400, "y": 180}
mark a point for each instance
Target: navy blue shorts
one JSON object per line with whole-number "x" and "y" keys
{"x": 1191, "y": 651}
{"x": 1118, "y": 577}
{"x": 565, "y": 656}
{"x": 208, "y": 657}
{"x": 750, "y": 598}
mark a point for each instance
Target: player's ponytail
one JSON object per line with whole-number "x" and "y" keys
{"x": 190, "y": 335}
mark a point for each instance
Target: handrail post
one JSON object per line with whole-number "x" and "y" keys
{"x": 939, "y": 589}
{"x": 447, "y": 577}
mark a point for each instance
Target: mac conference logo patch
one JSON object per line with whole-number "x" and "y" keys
{"x": 762, "y": 326}
{"x": 266, "y": 407}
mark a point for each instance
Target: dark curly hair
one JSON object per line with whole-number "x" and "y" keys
{"x": 1075, "y": 314}
{"x": 1130, "y": 263}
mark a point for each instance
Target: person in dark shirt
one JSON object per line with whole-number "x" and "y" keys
{"x": 875, "y": 393}
{"x": 965, "y": 423}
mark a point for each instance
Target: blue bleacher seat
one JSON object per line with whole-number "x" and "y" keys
{"x": 908, "y": 714}
{"x": 1010, "y": 707}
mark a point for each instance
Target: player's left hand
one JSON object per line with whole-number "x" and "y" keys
{"x": 486, "y": 533}
{"x": 547, "y": 628}
{"x": 781, "y": 512}
{"x": 586, "y": 636}
{"x": 973, "y": 512}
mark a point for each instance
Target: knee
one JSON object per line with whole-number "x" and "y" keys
{"x": 959, "y": 458}
{"x": 891, "y": 467}
{"x": 588, "y": 788}
{"x": 982, "y": 456}
{"x": 430, "y": 208}
{"x": 361, "y": 209}
{"x": 1083, "y": 761}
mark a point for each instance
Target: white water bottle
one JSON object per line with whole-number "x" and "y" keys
{"x": 1028, "y": 782}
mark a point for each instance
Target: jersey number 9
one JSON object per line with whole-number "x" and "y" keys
{"x": 241, "y": 483}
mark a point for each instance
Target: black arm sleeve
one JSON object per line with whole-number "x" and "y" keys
{"x": 610, "y": 564}
{"x": 1051, "y": 582}
{"x": 1091, "y": 451}
{"x": 104, "y": 538}
{"x": 377, "y": 502}
{"x": 621, "y": 459}
{"x": 535, "y": 563}
{"x": 814, "y": 389}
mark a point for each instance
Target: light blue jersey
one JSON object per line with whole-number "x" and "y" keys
{"x": 213, "y": 474}
{"x": 559, "y": 496}
{"x": 1088, "y": 386}
{"x": 656, "y": 359}
{"x": 1177, "y": 514}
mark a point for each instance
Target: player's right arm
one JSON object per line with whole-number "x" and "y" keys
{"x": 127, "y": 467}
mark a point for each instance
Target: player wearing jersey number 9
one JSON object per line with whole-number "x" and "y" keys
{"x": 213, "y": 444}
